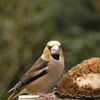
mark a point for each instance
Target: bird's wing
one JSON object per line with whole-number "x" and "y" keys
{"x": 38, "y": 69}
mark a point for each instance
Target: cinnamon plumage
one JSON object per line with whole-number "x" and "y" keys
{"x": 45, "y": 72}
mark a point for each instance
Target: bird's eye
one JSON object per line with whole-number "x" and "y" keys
{"x": 49, "y": 47}
{"x": 60, "y": 46}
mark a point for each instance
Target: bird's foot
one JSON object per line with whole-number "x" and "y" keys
{"x": 45, "y": 96}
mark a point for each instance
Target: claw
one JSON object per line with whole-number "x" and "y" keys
{"x": 47, "y": 96}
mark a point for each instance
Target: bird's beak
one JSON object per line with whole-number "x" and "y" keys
{"x": 55, "y": 49}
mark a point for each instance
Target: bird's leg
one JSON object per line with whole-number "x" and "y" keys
{"x": 52, "y": 95}
{"x": 42, "y": 94}
{"x": 47, "y": 96}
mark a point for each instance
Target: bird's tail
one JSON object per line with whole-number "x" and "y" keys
{"x": 13, "y": 95}
{"x": 15, "y": 91}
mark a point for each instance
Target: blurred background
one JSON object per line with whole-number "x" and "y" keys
{"x": 26, "y": 26}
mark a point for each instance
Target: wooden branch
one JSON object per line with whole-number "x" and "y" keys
{"x": 37, "y": 97}
{"x": 28, "y": 97}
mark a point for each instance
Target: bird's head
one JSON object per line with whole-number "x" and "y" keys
{"x": 53, "y": 50}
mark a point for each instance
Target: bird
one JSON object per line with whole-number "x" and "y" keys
{"x": 44, "y": 73}
{"x": 81, "y": 81}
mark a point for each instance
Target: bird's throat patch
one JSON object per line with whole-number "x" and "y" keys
{"x": 55, "y": 56}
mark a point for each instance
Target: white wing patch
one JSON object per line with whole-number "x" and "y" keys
{"x": 41, "y": 70}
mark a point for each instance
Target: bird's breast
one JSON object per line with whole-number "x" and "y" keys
{"x": 56, "y": 68}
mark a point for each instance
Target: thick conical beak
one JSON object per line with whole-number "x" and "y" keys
{"x": 55, "y": 49}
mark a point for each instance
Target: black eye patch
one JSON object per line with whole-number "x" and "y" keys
{"x": 55, "y": 56}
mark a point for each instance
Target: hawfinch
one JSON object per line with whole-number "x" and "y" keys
{"x": 44, "y": 74}
{"x": 82, "y": 81}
